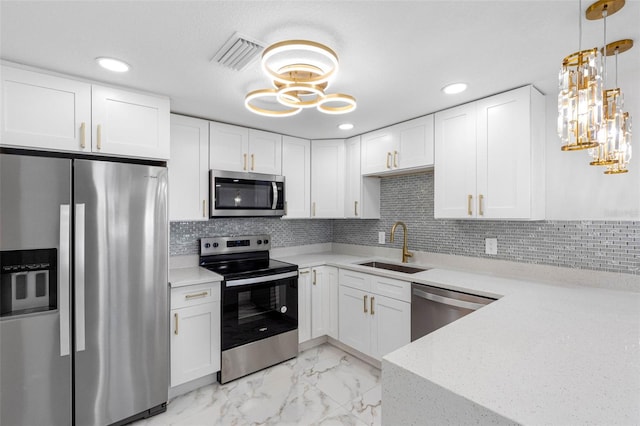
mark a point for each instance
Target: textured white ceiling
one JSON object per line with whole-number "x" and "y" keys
{"x": 395, "y": 56}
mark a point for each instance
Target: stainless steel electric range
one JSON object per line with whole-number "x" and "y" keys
{"x": 259, "y": 303}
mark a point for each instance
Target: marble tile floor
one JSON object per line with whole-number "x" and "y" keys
{"x": 322, "y": 386}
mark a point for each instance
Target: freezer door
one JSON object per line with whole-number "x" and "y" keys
{"x": 121, "y": 290}
{"x": 35, "y": 360}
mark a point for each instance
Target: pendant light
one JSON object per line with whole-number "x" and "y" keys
{"x": 580, "y": 96}
{"x": 614, "y": 135}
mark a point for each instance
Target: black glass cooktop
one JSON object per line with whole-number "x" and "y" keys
{"x": 234, "y": 266}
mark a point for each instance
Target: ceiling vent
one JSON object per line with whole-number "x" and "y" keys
{"x": 239, "y": 52}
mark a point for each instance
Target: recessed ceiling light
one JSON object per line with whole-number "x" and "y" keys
{"x": 345, "y": 126}
{"x": 454, "y": 88}
{"x": 112, "y": 64}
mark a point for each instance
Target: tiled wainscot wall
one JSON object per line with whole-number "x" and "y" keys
{"x": 612, "y": 246}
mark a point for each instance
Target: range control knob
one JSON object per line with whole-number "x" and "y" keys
{"x": 215, "y": 245}
{"x": 266, "y": 241}
{"x": 259, "y": 242}
{"x": 207, "y": 245}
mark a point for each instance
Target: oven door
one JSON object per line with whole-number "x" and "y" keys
{"x": 258, "y": 307}
{"x": 246, "y": 194}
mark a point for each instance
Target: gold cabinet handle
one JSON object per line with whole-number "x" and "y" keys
{"x": 253, "y": 162}
{"x": 372, "y": 300}
{"x": 196, "y": 295}
{"x": 99, "y": 137}
{"x": 175, "y": 330}
{"x": 365, "y": 303}
{"x": 303, "y": 272}
{"x": 204, "y": 208}
{"x": 480, "y": 210}
{"x": 314, "y": 277}
{"x": 469, "y": 201}
{"x": 388, "y": 160}
{"x": 83, "y": 135}
{"x": 395, "y": 158}
{"x": 244, "y": 164}
{"x": 313, "y": 209}
{"x": 355, "y": 208}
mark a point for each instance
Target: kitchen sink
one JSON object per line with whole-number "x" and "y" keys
{"x": 393, "y": 267}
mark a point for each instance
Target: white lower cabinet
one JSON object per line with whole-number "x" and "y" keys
{"x": 317, "y": 303}
{"x": 195, "y": 332}
{"x": 375, "y": 313}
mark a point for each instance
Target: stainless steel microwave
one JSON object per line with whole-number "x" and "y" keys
{"x": 234, "y": 194}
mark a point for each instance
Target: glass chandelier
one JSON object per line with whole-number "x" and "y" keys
{"x": 580, "y": 97}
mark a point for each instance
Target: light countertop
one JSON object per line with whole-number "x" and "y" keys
{"x": 180, "y": 277}
{"x": 541, "y": 354}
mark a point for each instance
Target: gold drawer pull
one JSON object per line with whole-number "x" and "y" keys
{"x": 372, "y": 300}
{"x": 480, "y": 210}
{"x": 314, "y": 277}
{"x": 253, "y": 162}
{"x": 365, "y": 304}
{"x": 388, "y": 160}
{"x": 244, "y": 167}
{"x": 196, "y": 295}
{"x": 355, "y": 208}
{"x": 469, "y": 201}
{"x": 395, "y": 158}
{"x": 204, "y": 209}
{"x": 175, "y": 331}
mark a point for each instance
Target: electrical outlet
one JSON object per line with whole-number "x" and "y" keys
{"x": 381, "y": 237}
{"x": 491, "y": 245}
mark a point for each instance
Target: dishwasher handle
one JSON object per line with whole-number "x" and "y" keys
{"x": 447, "y": 300}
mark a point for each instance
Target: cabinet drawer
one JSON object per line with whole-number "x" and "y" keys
{"x": 355, "y": 280}
{"x": 396, "y": 289}
{"x": 193, "y": 295}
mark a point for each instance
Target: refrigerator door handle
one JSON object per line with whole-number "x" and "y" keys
{"x": 63, "y": 276}
{"x": 79, "y": 278}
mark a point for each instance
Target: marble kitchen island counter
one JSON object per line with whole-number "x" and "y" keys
{"x": 542, "y": 354}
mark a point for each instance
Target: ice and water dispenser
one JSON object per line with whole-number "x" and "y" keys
{"x": 28, "y": 281}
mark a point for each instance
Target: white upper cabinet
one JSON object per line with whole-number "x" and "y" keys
{"x": 44, "y": 111}
{"x": 129, "y": 124}
{"x": 327, "y": 178}
{"x": 53, "y": 113}
{"x": 189, "y": 169}
{"x": 296, "y": 168}
{"x": 490, "y": 158}
{"x": 401, "y": 147}
{"x": 240, "y": 149}
{"x": 362, "y": 194}
{"x": 228, "y": 147}
{"x": 265, "y": 152}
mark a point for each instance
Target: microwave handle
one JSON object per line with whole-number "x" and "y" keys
{"x": 275, "y": 195}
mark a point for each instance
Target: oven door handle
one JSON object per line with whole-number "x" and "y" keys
{"x": 263, "y": 279}
{"x": 275, "y": 195}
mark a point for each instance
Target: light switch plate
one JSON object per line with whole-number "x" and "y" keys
{"x": 381, "y": 237}
{"x": 491, "y": 245}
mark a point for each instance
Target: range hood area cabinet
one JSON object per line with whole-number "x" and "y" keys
{"x": 238, "y": 149}
{"x": 489, "y": 158}
{"x": 406, "y": 146}
{"x": 189, "y": 169}
{"x": 53, "y": 113}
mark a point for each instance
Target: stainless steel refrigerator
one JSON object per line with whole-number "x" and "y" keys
{"x": 84, "y": 296}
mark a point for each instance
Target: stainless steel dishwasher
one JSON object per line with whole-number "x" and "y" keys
{"x": 433, "y": 307}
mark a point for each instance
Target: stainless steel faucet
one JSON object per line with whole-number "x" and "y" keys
{"x": 405, "y": 250}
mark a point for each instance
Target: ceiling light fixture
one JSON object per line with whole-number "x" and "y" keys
{"x": 614, "y": 136}
{"x": 113, "y": 64}
{"x": 452, "y": 89}
{"x": 580, "y": 96}
{"x": 300, "y": 71}
{"x": 345, "y": 126}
